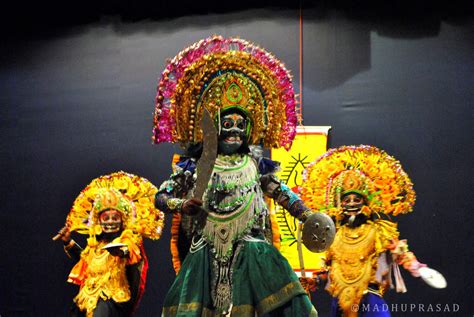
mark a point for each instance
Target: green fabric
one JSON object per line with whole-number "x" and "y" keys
{"x": 190, "y": 294}
{"x": 263, "y": 283}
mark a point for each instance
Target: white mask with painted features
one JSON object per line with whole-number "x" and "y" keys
{"x": 110, "y": 221}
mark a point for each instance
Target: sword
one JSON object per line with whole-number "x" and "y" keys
{"x": 299, "y": 247}
{"x": 205, "y": 164}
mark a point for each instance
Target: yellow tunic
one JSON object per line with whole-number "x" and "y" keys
{"x": 102, "y": 275}
{"x": 353, "y": 257}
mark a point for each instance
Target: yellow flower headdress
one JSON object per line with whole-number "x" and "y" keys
{"x": 220, "y": 73}
{"x": 363, "y": 169}
{"x": 111, "y": 198}
{"x": 131, "y": 195}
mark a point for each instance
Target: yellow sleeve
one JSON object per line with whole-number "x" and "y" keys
{"x": 79, "y": 271}
{"x": 387, "y": 234}
{"x": 132, "y": 241}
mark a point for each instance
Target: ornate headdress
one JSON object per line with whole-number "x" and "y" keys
{"x": 131, "y": 195}
{"x": 111, "y": 198}
{"x": 363, "y": 169}
{"x": 222, "y": 73}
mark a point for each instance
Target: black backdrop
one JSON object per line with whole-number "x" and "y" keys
{"x": 77, "y": 97}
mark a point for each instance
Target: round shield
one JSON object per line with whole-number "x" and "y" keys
{"x": 318, "y": 232}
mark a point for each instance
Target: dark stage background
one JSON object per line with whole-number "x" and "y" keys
{"x": 77, "y": 98}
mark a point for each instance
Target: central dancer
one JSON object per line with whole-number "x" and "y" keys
{"x": 224, "y": 232}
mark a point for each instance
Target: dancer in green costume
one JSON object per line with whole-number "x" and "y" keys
{"x": 224, "y": 237}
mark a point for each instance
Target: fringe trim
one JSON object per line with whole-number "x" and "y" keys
{"x": 176, "y": 222}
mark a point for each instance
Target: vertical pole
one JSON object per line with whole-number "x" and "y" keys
{"x": 299, "y": 108}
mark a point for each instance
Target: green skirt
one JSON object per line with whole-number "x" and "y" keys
{"x": 263, "y": 284}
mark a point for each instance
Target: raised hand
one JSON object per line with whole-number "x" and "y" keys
{"x": 64, "y": 234}
{"x": 192, "y": 206}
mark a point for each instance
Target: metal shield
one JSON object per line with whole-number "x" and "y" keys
{"x": 318, "y": 232}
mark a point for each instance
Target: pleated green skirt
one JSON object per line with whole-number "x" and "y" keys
{"x": 263, "y": 284}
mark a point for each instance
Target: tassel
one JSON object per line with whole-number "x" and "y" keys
{"x": 399, "y": 283}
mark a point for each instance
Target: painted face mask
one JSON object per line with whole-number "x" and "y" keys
{"x": 232, "y": 133}
{"x": 110, "y": 221}
{"x": 352, "y": 204}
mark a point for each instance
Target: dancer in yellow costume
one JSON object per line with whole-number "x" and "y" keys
{"x": 360, "y": 187}
{"x": 116, "y": 211}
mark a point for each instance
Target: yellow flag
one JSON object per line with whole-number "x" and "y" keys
{"x": 310, "y": 143}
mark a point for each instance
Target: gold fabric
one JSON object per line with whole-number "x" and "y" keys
{"x": 353, "y": 257}
{"x": 283, "y": 295}
{"x": 102, "y": 275}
